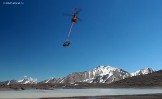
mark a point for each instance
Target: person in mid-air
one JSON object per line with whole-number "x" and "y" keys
{"x": 67, "y": 43}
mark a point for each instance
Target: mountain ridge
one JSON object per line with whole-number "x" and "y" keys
{"x": 150, "y": 80}
{"x": 25, "y": 80}
{"x": 100, "y": 74}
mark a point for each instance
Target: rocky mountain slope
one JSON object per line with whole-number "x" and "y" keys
{"x": 100, "y": 74}
{"x": 150, "y": 80}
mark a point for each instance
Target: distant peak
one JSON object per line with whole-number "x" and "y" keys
{"x": 143, "y": 71}
{"x": 146, "y": 68}
{"x": 102, "y": 66}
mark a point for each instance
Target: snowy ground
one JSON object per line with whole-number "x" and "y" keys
{"x": 74, "y": 92}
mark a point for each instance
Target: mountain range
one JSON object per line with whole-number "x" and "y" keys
{"x": 25, "y": 80}
{"x": 100, "y": 74}
{"x": 153, "y": 80}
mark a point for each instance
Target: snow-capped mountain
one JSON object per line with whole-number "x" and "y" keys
{"x": 108, "y": 74}
{"x": 52, "y": 80}
{"x": 143, "y": 72}
{"x": 26, "y": 80}
{"x": 100, "y": 74}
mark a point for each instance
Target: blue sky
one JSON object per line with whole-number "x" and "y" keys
{"x": 121, "y": 33}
